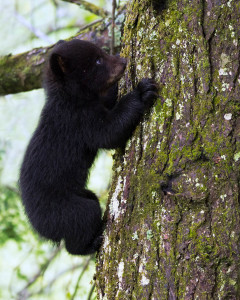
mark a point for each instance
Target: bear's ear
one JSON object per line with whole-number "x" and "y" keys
{"x": 59, "y": 42}
{"x": 58, "y": 64}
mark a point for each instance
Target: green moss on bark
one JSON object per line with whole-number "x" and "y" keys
{"x": 177, "y": 227}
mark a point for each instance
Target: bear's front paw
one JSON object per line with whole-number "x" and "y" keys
{"x": 148, "y": 90}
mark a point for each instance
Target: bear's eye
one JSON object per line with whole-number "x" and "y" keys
{"x": 99, "y": 61}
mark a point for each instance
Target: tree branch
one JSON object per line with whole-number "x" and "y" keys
{"x": 80, "y": 277}
{"x": 113, "y": 25}
{"x": 90, "y": 7}
{"x": 22, "y": 72}
{"x": 24, "y": 292}
{"x": 91, "y": 291}
{"x": 70, "y": 269}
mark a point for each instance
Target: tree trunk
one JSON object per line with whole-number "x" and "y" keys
{"x": 173, "y": 215}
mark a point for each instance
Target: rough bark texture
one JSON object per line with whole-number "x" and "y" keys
{"x": 173, "y": 216}
{"x": 22, "y": 72}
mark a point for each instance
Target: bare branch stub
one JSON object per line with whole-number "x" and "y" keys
{"x": 113, "y": 26}
{"x": 90, "y": 7}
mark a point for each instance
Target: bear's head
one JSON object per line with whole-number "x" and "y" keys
{"x": 82, "y": 66}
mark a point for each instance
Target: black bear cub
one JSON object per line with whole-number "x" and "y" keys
{"x": 80, "y": 116}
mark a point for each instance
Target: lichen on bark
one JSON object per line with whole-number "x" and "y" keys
{"x": 173, "y": 217}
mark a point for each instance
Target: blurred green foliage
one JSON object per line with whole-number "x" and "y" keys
{"x": 31, "y": 268}
{"x": 12, "y": 224}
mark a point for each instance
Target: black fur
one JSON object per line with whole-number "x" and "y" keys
{"x": 159, "y": 5}
{"x": 80, "y": 116}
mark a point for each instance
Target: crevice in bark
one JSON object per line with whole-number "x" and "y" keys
{"x": 208, "y": 35}
{"x": 239, "y": 204}
{"x": 140, "y": 144}
{"x": 151, "y": 289}
{"x": 195, "y": 78}
{"x": 176, "y": 259}
{"x": 209, "y": 212}
{"x": 135, "y": 21}
{"x": 169, "y": 123}
{"x": 133, "y": 65}
{"x": 152, "y": 67}
{"x": 214, "y": 288}
{"x": 214, "y": 95}
{"x": 203, "y": 17}
{"x": 237, "y": 73}
{"x": 209, "y": 51}
{"x": 137, "y": 268}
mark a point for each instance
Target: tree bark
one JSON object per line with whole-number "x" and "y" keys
{"x": 173, "y": 214}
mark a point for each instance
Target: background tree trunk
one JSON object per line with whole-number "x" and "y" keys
{"x": 173, "y": 215}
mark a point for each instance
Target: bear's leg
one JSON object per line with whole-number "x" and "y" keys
{"x": 83, "y": 226}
